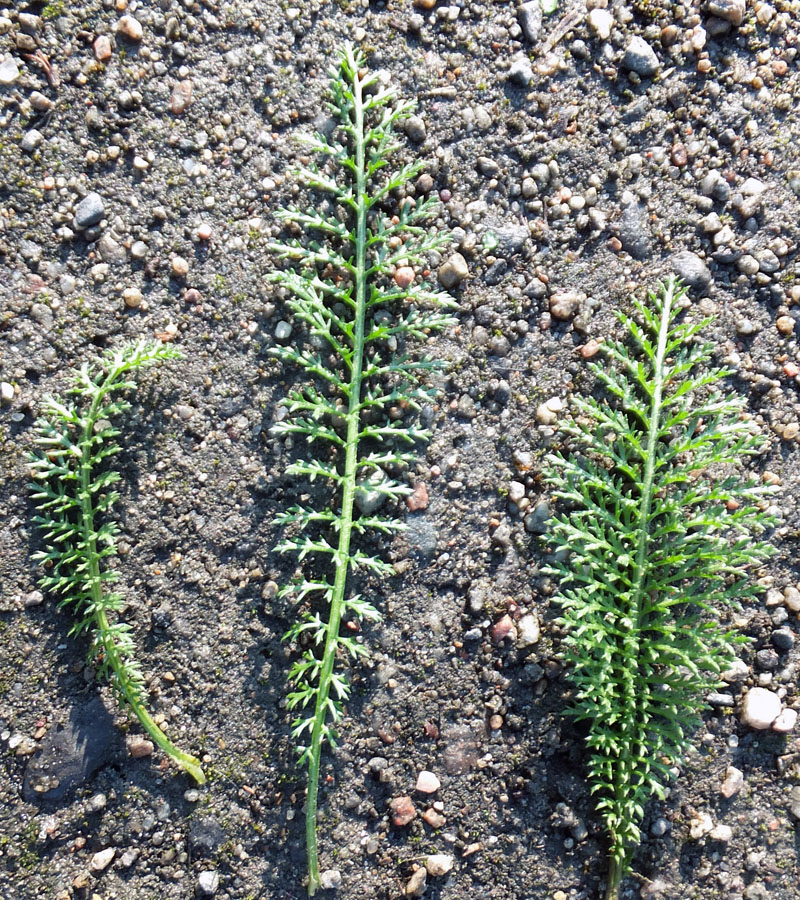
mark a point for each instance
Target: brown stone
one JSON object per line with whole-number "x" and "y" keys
{"x": 403, "y": 811}
{"x": 418, "y": 499}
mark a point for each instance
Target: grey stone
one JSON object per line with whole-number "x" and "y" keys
{"x": 511, "y": 238}
{"x": 782, "y": 639}
{"x": 536, "y": 521}
{"x": 634, "y": 231}
{"x": 70, "y": 754}
{"x": 529, "y": 16}
{"x": 90, "y": 210}
{"x": 453, "y": 271}
{"x": 692, "y": 270}
{"x": 111, "y": 251}
{"x": 732, "y": 11}
{"x": 422, "y": 537}
{"x": 641, "y": 58}
{"x": 768, "y": 262}
{"x": 31, "y": 140}
{"x": 206, "y": 836}
{"x": 9, "y": 70}
{"x": 520, "y": 72}
{"x": 415, "y": 129}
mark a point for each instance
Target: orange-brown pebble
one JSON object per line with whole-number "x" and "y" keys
{"x": 418, "y": 499}
{"x": 791, "y": 369}
{"x": 433, "y": 818}
{"x": 590, "y": 348}
{"x": 704, "y": 66}
{"x": 496, "y": 722}
{"x": 785, "y": 324}
{"x": 404, "y": 276}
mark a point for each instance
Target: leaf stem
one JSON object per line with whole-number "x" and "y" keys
{"x": 342, "y": 554}
{"x": 121, "y": 678}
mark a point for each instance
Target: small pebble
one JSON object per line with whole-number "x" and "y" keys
{"x": 721, "y": 833}
{"x": 90, "y": 210}
{"x": 139, "y": 747}
{"x": 130, "y": 28}
{"x": 452, "y": 272}
{"x": 641, "y": 58}
{"x": 418, "y": 498}
{"x": 732, "y": 11}
{"x": 283, "y": 331}
{"x": 181, "y": 96}
{"x": 102, "y": 48}
{"x": 791, "y": 597}
{"x": 440, "y": 863}
{"x": 415, "y": 887}
{"x": 700, "y": 825}
{"x": 330, "y": 879}
{"x": 504, "y": 629}
{"x": 31, "y": 140}
{"x": 427, "y": 782}
{"x": 403, "y": 811}
{"x": 760, "y": 708}
{"x": 9, "y": 70}
{"x": 565, "y": 304}
{"x": 208, "y": 882}
{"x": 180, "y": 267}
{"x": 102, "y": 859}
{"x": 600, "y": 23}
{"x": 528, "y": 630}
{"x": 404, "y": 276}
{"x": 132, "y": 297}
{"x": 785, "y": 721}
{"x": 732, "y": 783}
{"x": 6, "y": 392}
{"x": 434, "y": 818}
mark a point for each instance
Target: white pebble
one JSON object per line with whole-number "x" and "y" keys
{"x": 528, "y": 630}
{"x": 760, "y": 708}
{"x": 102, "y": 859}
{"x": 785, "y": 721}
{"x": 428, "y": 783}
{"x": 6, "y": 392}
{"x": 700, "y": 825}
{"x": 330, "y": 879}
{"x": 733, "y": 783}
{"x": 722, "y": 833}
{"x": 439, "y": 864}
{"x": 600, "y": 21}
{"x": 208, "y": 882}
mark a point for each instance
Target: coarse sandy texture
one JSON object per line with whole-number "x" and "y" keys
{"x": 578, "y": 157}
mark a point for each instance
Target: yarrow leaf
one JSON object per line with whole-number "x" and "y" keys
{"x": 359, "y": 312}
{"x": 657, "y": 536}
{"x": 71, "y": 491}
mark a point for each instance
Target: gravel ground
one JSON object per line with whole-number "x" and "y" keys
{"x": 578, "y": 157}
